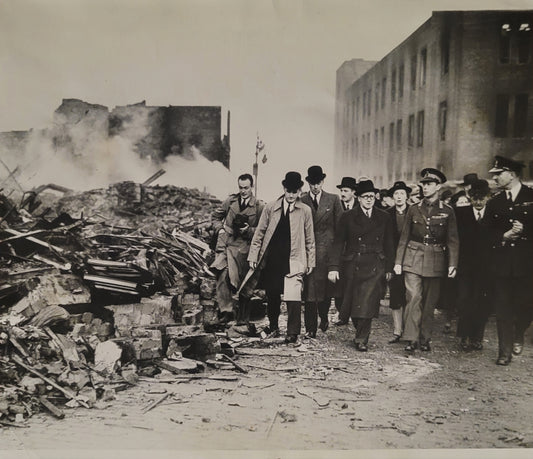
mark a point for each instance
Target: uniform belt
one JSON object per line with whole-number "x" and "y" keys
{"x": 363, "y": 249}
{"x": 428, "y": 241}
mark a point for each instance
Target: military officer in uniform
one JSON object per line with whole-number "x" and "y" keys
{"x": 509, "y": 217}
{"x": 428, "y": 250}
{"x": 327, "y": 209}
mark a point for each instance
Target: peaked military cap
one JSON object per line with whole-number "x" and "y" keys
{"x": 506, "y": 164}
{"x": 432, "y": 175}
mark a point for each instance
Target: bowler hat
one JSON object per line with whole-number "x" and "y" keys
{"x": 468, "y": 179}
{"x": 366, "y": 186}
{"x": 432, "y": 175}
{"x": 480, "y": 189}
{"x": 315, "y": 174}
{"x": 348, "y": 182}
{"x": 292, "y": 181}
{"x": 506, "y": 164}
{"x": 400, "y": 186}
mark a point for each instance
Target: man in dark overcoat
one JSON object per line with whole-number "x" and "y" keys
{"x": 473, "y": 279}
{"x": 282, "y": 252}
{"x": 428, "y": 250}
{"x": 348, "y": 192}
{"x": 399, "y": 193}
{"x": 235, "y": 220}
{"x": 509, "y": 218}
{"x": 363, "y": 247}
{"x": 327, "y": 209}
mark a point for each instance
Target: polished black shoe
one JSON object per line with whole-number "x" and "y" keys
{"x": 476, "y": 345}
{"x": 309, "y": 335}
{"x": 411, "y": 346}
{"x": 503, "y": 361}
{"x": 291, "y": 338}
{"x": 324, "y": 325}
{"x": 395, "y": 339}
{"x": 517, "y": 348}
{"x": 340, "y": 323}
{"x": 361, "y": 347}
{"x": 425, "y": 347}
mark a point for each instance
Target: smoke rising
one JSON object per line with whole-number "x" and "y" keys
{"x": 81, "y": 155}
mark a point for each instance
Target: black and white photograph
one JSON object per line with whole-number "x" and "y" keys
{"x": 266, "y": 228}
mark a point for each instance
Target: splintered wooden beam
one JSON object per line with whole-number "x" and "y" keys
{"x": 34, "y": 240}
{"x": 69, "y": 394}
{"x": 51, "y": 407}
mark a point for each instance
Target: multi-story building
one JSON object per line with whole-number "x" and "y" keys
{"x": 454, "y": 94}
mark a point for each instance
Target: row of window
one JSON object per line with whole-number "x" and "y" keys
{"x": 355, "y": 111}
{"x": 515, "y": 42}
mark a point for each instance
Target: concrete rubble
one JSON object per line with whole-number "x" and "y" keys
{"x": 100, "y": 288}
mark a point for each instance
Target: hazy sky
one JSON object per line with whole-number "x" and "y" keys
{"x": 271, "y": 63}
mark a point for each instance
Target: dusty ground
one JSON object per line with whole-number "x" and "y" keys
{"x": 320, "y": 395}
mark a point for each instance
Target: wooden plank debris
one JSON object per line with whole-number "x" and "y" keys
{"x": 51, "y": 407}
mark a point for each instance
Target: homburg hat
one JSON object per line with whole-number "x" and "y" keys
{"x": 348, "y": 182}
{"x": 468, "y": 179}
{"x": 366, "y": 186}
{"x": 400, "y": 186}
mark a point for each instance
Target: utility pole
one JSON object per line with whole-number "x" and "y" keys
{"x": 259, "y": 145}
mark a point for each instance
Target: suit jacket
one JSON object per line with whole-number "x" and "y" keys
{"x": 436, "y": 220}
{"x": 474, "y": 256}
{"x": 325, "y": 220}
{"x": 511, "y": 258}
{"x": 363, "y": 251}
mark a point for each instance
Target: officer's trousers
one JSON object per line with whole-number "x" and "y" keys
{"x": 422, "y": 295}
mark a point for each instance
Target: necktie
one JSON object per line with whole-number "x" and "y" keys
{"x": 478, "y": 215}
{"x": 367, "y": 212}
{"x": 315, "y": 202}
{"x": 509, "y": 196}
{"x": 242, "y": 204}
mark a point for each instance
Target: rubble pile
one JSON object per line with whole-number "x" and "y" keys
{"x": 99, "y": 287}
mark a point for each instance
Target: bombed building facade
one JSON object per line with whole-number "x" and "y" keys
{"x": 454, "y": 94}
{"x": 154, "y": 132}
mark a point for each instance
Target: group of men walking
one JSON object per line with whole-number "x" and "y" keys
{"x": 314, "y": 246}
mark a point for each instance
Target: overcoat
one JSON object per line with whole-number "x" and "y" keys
{"x": 302, "y": 250}
{"x": 363, "y": 252}
{"x": 232, "y": 249}
{"x": 511, "y": 258}
{"x": 325, "y": 220}
{"x": 435, "y": 220}
{"x": 397, "y": 282}
{"x": 474, "y": 255}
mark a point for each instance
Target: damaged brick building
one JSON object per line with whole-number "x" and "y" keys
{"x": 454, "y": 94}
{"x": 155, "y": 132}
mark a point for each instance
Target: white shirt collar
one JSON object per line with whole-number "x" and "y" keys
{"x": 481, "y": 212}
{"x": 515, "y": 190}
{"x": 349, "y": 205}
{"x": 316, "y": 196}
{"x": 287, "y": 206}
{"x": 368, "y": 211}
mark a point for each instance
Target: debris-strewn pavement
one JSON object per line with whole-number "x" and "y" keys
{"x": 110, "y": 339}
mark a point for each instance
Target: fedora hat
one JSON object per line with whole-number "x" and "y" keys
{"x": 480, "y": 188}
{"x": 348, "y": 182}
{"x": 399, "y": 185}
{"x": 315, "y": 174}
{"x": 365, "y": 186}
{"x": 468, "y": 179}
{"x": 430, "y": 174}
{"x": 292, "y": 181}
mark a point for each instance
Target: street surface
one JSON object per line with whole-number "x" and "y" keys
{"x": 321, "y": 395}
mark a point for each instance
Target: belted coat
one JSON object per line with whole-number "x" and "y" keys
{"x": 437, "y": 221}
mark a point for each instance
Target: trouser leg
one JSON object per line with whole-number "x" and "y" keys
{"x": 413, "y": 309}
{"x": 431, "y": 291}
{"x": 482, "y": 307}
{"x": 465, "y": 296}
{"x": 523, "y": 300}
{"x": 338, "y": 303}
{"x": 273, "y": 308}
{"x": 397, "y": 320}
{"x": 224, "y": 295}
{"x": 243, "y": 312}
{"x": 362, "y": 329}
{"x": 503, "y": 297}
{"x": 323, "y": 309}
{"x": 294, "y": 317}
{"x": 310, "y": 316}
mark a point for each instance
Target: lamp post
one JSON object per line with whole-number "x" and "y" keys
{"x": 259, "y": 146}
